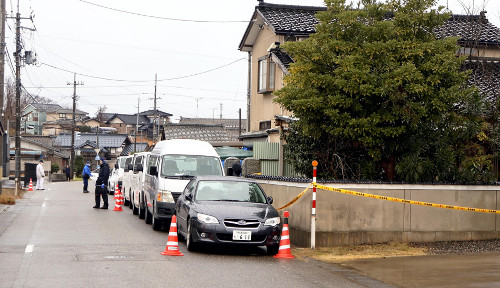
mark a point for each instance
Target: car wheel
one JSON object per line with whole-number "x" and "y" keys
{"x": 130, "y": 203}
{"x": 148, "y": 218}
{"x": 142, "y": 213}
{"x": 155, "y": 223}
{"x": 190, "y": 244}
{"x": 126, "y": 202}
{"x": 135, "y": 210}
{"x": 273, "y": 249}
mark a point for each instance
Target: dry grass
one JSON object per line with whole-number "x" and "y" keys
{"x": 8, "y": 199}
{"x": 356, "y": 252}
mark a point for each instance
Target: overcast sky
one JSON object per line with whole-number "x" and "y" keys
{"x": 192, "y": 45}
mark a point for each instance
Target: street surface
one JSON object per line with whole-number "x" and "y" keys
{"x": 54, "y": 238}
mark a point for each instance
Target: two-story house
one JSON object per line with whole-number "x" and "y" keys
{"x": 55, "y": 119}
{"x": 272, "y": 24}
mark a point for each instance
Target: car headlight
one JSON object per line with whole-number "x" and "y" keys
{"x": 165, "y": 196}
{"x": 272, "y": 221}
{"x": 207, "y": 219}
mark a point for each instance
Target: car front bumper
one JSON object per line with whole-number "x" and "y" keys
{"x": 218, "y": 233}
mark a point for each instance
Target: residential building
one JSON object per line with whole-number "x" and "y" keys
{"x": 36, "y": 115}
{"x": 274, "y": 24}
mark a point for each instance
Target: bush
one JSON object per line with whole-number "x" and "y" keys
{"x": 79, "y": 165}
{"x": 54, "y": 167}
{"x": 7, "y": 199}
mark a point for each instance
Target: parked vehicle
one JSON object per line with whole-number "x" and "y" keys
{"x": 116, "y": 173}
{"x": 227, "y": 210}
{"x": 171, "y": 165}
{"x": 137, "y": 183}
{"x": 124, "y": 181}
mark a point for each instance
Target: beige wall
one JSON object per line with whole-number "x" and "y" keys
{"x": 262, "y": 106}
{"x": 346, "y": 219}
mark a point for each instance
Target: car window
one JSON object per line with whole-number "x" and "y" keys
{"x": 232, "y": 191}
{"x": 190, "y": 165}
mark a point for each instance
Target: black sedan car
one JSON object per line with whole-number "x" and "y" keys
{"x": 231, "y": 210}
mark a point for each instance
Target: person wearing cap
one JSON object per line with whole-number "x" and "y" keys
{"x": 86, "y": 175}
{"x": 101, "y": 182}
{"x": 40, "y": 173}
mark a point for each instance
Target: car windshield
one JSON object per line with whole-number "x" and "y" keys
{"x": 232, "y": 191}
{"x": 190, "y": 165}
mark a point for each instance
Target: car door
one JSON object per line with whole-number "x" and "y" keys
{"x": 183, "y": 206}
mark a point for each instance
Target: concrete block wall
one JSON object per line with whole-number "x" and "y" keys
{"x": 344, "y": 219}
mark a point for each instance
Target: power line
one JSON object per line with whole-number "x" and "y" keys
{"x": 143, "y": 81}
{"x": 161, "y": 18}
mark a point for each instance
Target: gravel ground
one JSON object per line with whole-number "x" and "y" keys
{"x": 459, "y": 247}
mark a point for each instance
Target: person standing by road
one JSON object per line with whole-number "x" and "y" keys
{"x": 40, "y": 173}
{"x": 100, "y": 188}
{"x": 86, "y": 176}
{"x": 67, "y": 171}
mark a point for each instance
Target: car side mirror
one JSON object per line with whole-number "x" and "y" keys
{"x": 189, "y": 197}
{"x": 116, "y": 165}
{"x": 153, "y": 170}
{"x": 270, "y": 200}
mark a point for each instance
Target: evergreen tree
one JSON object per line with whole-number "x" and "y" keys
{"x": 389, "y": 99}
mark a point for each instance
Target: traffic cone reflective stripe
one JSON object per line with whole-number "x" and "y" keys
{"x": 172, "y": 248}
{"x": 30, "y": 188}
{"x": 118, "y": 207}
{"x": 284, "y": 250}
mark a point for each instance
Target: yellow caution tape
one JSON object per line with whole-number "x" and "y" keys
{"x": 296, "y": 198}
{"x": 405, "y": 200}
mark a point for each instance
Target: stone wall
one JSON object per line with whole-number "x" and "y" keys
{"x": 343, "y": 219}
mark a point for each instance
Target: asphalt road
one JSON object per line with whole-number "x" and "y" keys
{"x": 54, "y": 238}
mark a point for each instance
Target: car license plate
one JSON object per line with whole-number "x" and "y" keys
{"x": 239, "y": 235}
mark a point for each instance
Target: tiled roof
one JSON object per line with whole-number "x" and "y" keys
{"x": 470, "y": 28}
{"x": 152, "y": 112}
{"x": 485, "y": 76}
{"x": 44, "y": 141}
{"x": 46, "y": 107}
{"x": 105, "y": 140}
{"x": 204, "y": 132}
{"x": 129, "y": 119}
{"x": 107, "y": 116}
{"x": 140, "y": 147}
{"x": 287, "y": 19}
{"x": 227, "y": 123}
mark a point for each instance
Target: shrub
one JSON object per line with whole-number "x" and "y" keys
{"x": 54, "y": 167}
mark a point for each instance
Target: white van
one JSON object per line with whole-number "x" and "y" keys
{"x": 172, "y": 164}
{"x": 137, "y": 183}
{"x": 124, "y": 180}
{"x": 116, "y": 173}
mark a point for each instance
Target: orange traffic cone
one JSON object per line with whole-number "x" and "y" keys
{"x": 31, "y": 185}
{"x": 172, "y": 248}
{"x": 118, "y": 207}
{"x": 285, "y": 251}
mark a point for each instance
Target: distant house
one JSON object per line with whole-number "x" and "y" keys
{"x": 272, "y": 24}
{"x": 88, "y": 145}
{"x": 126, "y": 123}
{"x": 53, "y": 116}
{"x": 36, "y": 147}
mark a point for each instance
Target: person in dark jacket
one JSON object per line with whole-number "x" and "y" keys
{"x": 101, "y": 182}
{"x": 67, "y": 171}
{"x": 236, "y": 169}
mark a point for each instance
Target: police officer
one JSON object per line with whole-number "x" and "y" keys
{"x": 100, "y": 188}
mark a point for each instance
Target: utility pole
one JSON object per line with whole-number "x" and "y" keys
{"x": 136, "y": 125}
{"x": 18, "y": 98}
{"x": 197, "y": 99}
{"x": 2, "y": 72}
{"x": 221, "y": 112}
{"x": 154, "y": 116}
{"x": 73, "y": 124}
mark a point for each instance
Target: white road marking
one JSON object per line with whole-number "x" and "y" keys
{"x": 29, "y": 248}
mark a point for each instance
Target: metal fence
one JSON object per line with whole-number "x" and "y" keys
{"x": 268, "y": 154}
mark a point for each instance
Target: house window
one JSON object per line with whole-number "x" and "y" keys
{"x": 267, "y": 71}
{"x": 35, "y": 116}
{"x": 62, "y": 115}
{"x": 264, "y": 125}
